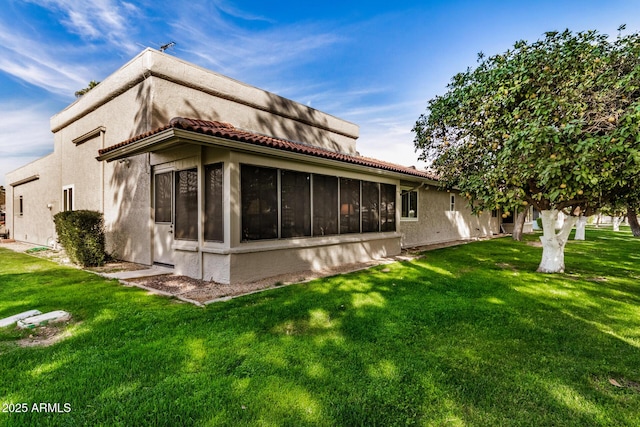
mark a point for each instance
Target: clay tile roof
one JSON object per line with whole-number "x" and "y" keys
{"x": 228, "y": 131}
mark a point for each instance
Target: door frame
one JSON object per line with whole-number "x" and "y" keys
{"x": 163, "y": 256}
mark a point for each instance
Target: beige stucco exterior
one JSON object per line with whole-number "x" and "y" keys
{"x": 146, "y": 94}
{"x": 438, "y": 221}
{"x": 38, "y": 186}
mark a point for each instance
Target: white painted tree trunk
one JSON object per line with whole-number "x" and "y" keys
{"x": 580, "y": 227}
{"x": 617, "y": 220}
{"x": 553, "y": 242}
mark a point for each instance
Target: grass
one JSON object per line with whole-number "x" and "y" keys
{"x": 466, "y": 336}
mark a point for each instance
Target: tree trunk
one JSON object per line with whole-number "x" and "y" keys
{"x": 617, "y": 220}
{"x": 553, "y": 242}
{"x": 580, "y": 227}
{"x": 632, "y": 215}
{"x": 518, "y": 225}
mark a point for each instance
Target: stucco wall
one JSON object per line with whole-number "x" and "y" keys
{"x": 145, "y": 94}
{"x": 36, "y": 223}
{"x": 171, "y": 99}
{"x": 216, "y": 267}
{"x": 436, "y": 223}
{"x": 127, "y": 209}
{"x": 121, "y": 190}
{"x": 251, "y": 266}
{"x": 172, "y": 87}
{"x": 233, "y": 260}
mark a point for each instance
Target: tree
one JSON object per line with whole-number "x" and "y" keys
{"x": 551, "y": 124}
{"x": 630, "y": 199}
{"x": 81, "y": 92}
{"x": 626, "y": 203}
{"x": 617, "y": 211}
{"x": 581, "y": 225}
{"x": 518, "y": 224}
{"x": 632, "y": 217}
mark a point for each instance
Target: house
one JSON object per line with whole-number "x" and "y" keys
{"x": 225, "y": 181}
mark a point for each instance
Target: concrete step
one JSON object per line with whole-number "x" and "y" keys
{"x": 44, "y": 319}
{"x": 156, "y": 270}
{"x": 13, "y": 319}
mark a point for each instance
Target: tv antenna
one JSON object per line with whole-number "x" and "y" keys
{"x": 167, "y": 46}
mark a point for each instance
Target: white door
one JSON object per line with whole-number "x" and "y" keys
{"x": 163, "y": 218}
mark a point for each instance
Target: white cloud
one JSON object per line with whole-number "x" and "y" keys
{"x": 38, "y": 64}
{"x": 238, "y": 13}
{"x": 106, "y": 20}
{"x": 207, "y": 32}
{"x": 389, "y": 141}
{"x": 385, "y": 130}
{"x": 24, "y": 135}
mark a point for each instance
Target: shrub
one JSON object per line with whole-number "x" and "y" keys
{"x": 81, "y": 234}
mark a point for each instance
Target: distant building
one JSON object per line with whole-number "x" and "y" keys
{"x": 225, "y": 181}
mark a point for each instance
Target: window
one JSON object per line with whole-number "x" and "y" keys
{"x": 259, "y": 198}
{"x": 278, "y": 203}
{"x": 387, "y": 207}
{"x": 349, "y": 206}
{"x": 409, "y": 204}
{"x": 213, "y": 203}
{"x": 186, "y": 194}
{"x": 325, "y": 205}
{"x": 295, "y": 204}
{"x": 452, "y": 204}
{"x": 67, "y": 198}
{"x": 370, "y": 207}
{"x": 508, "y": 219}
{"x": 163, "y": 198}
{"x": 20, "y": 206}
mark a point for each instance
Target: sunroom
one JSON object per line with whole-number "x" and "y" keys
{"x": 234, "y": 206}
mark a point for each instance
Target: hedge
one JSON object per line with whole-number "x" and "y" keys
{"x": 81, "y": 234}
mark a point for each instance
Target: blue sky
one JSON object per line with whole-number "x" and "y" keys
{"x": 375, "y": 63}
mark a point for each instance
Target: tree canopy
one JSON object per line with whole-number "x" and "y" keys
{"x": 91, "y": 85}
{"x": 553, "y": 124}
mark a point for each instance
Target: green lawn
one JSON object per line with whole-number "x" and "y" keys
{"x": 466, "y": 336}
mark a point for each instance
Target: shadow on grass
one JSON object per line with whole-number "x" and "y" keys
{"x": 454, "y": 338}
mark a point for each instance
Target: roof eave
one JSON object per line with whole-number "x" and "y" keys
{"x": 172, "y": 136}
{"x": 154, "y": 142}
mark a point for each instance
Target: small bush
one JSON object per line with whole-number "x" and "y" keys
{"x": 81, "y": 234}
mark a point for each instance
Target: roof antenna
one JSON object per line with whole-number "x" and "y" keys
{"x": 167, "y": 46}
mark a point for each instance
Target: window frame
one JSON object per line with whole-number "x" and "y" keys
{"x": 327, "y": 215}
{"x": 406, "y": 195}
{"x": 217, "y": 234}
{"x": 335, "y": 202}
{"x": 171, "y": 198}
{"x": 192, "y": 234}
{"x": 370, "y": 224}
{"x": 261, "y": 201}
{"x": 388, "y": 220}
{"x": 291, "y": 232}
{"x": 68, "y": 198}
{"x": 350, "y": 206}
